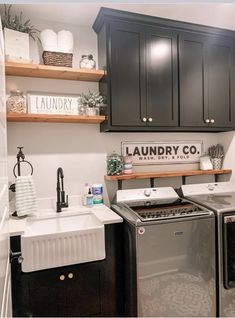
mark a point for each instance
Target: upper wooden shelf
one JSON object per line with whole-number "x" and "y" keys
{"x": 53, "y": 72}
{"x": 164, "y": 174}
{"x": 54, "y": 118}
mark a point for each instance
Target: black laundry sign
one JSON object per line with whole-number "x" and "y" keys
{"x": 145, "y": 153}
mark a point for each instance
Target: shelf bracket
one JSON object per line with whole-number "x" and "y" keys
{"x": 119, "y": 184}
{"x": 151, "y": 182}
{"x": 183, "y": 180}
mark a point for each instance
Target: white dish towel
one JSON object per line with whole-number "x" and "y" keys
{"x": 25, "y": 195}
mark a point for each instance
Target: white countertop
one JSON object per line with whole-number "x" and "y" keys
{"x": 101, "y": 211}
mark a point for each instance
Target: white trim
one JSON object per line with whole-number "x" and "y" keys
{"x": 6, "y": 304}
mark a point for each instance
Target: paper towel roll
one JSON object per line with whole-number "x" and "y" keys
{"x": 65, "y": 41}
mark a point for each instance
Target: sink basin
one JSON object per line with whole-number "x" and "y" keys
{"x": 62, "y": 240}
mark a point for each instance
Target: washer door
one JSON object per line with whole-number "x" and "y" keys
{"x": 229, "y": 250}
{"x": 176, "y": 268}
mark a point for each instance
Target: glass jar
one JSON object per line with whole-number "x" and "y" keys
{"x": 114, "y": 164}
{"x": 87, "y": 62}
{"x": 16, "y": 102}
{"x": 127, "y": 167}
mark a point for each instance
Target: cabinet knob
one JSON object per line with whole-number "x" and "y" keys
{"x": 207, "y": 121}
{"x": 150, "y": 119}
{"x": 62, "y": 277}
{"x": 144, "y": 119}
{"x": 70, "y": 275}
{"x": 212, "y": 121}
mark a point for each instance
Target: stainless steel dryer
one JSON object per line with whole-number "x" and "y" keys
{"x": 169, "y": 259}
{"x": 220, "y": 198}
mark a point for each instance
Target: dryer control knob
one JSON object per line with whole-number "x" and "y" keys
{"x": 147, "y": 192}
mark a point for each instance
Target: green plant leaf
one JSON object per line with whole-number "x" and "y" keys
{"x": 16, "y": 23}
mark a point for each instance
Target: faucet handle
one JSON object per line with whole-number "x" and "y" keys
{"x": 67, "y": 200}
{"x": 62, "y": 196}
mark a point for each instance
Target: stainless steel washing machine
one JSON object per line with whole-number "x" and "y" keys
{"x": 169, "y": 249}
{"x": 220, "y": 198}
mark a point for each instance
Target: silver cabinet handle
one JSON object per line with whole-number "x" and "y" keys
{"x": 144, "y": 119}
{"x": 70, "y": 275}
{"x": 207, "y": 121}
{"x": 212, "y": 121}
{"x": 150, "y": 119}
{"x": 62, "y": 277}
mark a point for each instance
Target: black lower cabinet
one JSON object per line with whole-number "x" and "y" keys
{"x": 83, "y": 290}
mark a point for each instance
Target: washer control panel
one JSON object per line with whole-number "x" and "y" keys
{"x": 146, "y": 195}
{"x": 207, "y": 188}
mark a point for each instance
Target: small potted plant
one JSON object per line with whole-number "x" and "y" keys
{"x": 90, "y": 103}
{"x": 16, "y": 34}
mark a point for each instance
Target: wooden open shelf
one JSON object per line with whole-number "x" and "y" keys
{"x": 166, "y": 174}
{"x": 53, "y": 72}
{"x": 54, "y": 118}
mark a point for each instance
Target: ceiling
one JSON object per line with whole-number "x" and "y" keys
{"x": 214, "y": 14}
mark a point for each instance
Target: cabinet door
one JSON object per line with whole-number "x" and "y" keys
{"x": 84, "y": 290}
{"x": 192, "y": 79}
{"x": 219, "y": 61}
{"x": 162, "y": 77}
{"x": 47, "y": 293}
{"x": 127, "y": 74}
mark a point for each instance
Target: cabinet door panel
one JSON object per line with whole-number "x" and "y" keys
{"x": 219, "y": 82}
{"x": 127, "y": 74}
{"x": 192, "y": 78}
{"x": 48, "y": 293}
{"x": 162, "y": 78}
{"x": 85, "y": 285}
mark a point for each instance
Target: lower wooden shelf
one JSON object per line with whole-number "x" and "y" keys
{"x": 166, "y": 174}
{"x": 54, "y": 118}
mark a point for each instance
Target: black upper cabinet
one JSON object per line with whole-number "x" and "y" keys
{"x": 127, "y": 74}
{"x": 220, "y": 88}
{"x": 161, "y": 78}
{"x": 143, "y": 80}
{"x": 192, "y": 52}
{"x": 205, "y": 81}
{"x": 165, "y": 75}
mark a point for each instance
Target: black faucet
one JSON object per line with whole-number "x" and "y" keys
{"x": 60, "y": 203}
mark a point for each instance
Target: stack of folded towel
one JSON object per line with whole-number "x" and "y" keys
{"x": 61, "y": 42}
{"x": 25, "y": 195}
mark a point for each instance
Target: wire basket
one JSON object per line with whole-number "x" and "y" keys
{"x": 57, "y": 58}
{"x": 217, "y": 163}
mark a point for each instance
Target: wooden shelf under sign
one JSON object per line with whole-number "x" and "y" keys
{"x": 53, "y": 72}
{"x": 43, "y": 118}
{"x": 166, "y": 174}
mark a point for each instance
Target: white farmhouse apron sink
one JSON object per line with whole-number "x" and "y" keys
{"x": 62, "y": 240}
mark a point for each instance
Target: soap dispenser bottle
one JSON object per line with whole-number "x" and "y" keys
{"x": 89, "y": 198}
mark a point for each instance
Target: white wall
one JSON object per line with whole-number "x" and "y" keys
{"x": 227, "y": 139}
{"x": 79, "y": 148}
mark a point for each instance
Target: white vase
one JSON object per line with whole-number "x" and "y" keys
{"x": 92, "y": 111}
{"x": 16, "y": 44}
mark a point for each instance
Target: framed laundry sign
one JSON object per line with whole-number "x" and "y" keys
{"x": 154, "y": 153}
{"x": 40, "y": 103}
